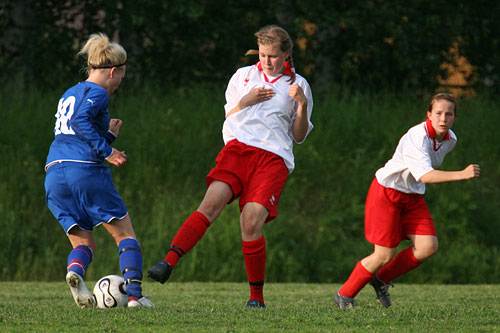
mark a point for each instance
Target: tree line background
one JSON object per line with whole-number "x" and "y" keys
{"x": 364, "y": 44}
{"x": 372, "y": 66}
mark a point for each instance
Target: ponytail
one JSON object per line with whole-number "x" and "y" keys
{"x": 102, "y": 53}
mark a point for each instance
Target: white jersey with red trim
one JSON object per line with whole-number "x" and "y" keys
{"x": 417, "y": 153}
{"x": 266, "y": 125}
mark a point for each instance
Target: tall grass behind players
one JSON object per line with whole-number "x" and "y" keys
{"x": 79, "y": 189}
{"x": 268, "y": 108}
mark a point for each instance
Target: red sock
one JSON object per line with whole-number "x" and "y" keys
{"x": 254, "y": 253}
{"x": 359, "y": 277}
{"x": 404, "y": 262}
{"x": 187, "y": 236}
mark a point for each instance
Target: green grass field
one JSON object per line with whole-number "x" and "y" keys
{"x": 220, "y": 307}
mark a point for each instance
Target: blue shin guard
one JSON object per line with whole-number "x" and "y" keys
{"x": 131, "y": 266}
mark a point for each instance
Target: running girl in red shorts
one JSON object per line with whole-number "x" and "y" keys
{"x": 395, "y": 208}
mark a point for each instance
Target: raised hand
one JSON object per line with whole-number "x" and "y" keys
{"x": 114, "y": 126}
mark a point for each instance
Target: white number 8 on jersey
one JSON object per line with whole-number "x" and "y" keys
{"x": 65, "y": 110}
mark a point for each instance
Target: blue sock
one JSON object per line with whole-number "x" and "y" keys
{"x": 79, "y": 259}
{"x": 131, "y": 266}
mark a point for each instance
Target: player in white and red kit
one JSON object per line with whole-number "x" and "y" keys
{"x": 268, "y": 107}
{"x": 395, "y": 208}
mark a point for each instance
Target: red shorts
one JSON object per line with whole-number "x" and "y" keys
{"x": 254, "y": 174}
{"x": 391, "y": 215}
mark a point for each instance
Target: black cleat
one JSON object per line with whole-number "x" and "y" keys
{"x": 253, "y": 303}
{"x": 382, "y": 290}
{"x": 343, "y": 302}
{"x": 160, "y": 271}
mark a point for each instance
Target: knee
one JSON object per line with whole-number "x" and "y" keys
{"x": 382, "y": 259}
{"x": 210, "y": 209}
{"x": 426, "y": 251}
{"x": 252, "y": 218}
{"x": 249, "y": 227}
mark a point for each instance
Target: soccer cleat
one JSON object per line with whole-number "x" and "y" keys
{"x": 82, "y": 296}
{"x": 382, "y": 291}
{"x": 134, "y": 302}
{"x": 254, "y": 303}
{"x": 160, "y": 271}
{"x": 343, "y": 302}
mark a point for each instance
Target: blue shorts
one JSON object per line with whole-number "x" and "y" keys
{"x": 83, "y": 195}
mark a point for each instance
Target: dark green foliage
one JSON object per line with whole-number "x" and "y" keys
{"x": 172, "y": 139}
{"x": 367, "y": 45}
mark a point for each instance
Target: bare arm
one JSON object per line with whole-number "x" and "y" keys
{"x": 438, "y": 176}
{"x": 255, "y": 96}
{"x": 301, "y": 123}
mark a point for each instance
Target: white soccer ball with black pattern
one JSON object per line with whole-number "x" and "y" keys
{"x": 109, "y": 292}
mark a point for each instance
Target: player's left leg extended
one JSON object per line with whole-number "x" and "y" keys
{"x": 192, "y": 230}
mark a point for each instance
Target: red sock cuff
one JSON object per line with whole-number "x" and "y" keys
{"x": 253, "y": 247}
{"x": 404, "y": 262}
{"x": 199, "y": 216}
{"x": 364, "y": 273}
{"x": 197, "y": 222}
{"x": 187, "y": 237}
{"x": 359, "y": 277}
{"x": 411, "y": 256}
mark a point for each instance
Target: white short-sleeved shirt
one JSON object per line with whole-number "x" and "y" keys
{"x": 266, "y": 125}
{"x": 417, "y": 153}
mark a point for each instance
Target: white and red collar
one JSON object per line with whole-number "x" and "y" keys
{"x": 431, "y": 132}
{"x": 287, "y": 71}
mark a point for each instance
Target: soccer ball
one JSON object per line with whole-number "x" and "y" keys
{"x": 109, "y": 292}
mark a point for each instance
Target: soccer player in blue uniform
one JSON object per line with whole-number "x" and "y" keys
{"x": 79, "y": 188}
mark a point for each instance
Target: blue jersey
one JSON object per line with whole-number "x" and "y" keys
{"x": 82, "y": 126}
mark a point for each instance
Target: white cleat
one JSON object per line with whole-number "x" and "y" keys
{"x": 83, "y": 297}
{"x": 135, "y": 302}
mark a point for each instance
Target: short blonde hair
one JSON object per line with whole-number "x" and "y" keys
{"x": 102, "y": 53}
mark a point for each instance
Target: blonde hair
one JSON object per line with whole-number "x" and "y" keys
{"x": 443, "y": 96}
{"x": 273, "y": 34}
{"x": 101, "y": 53}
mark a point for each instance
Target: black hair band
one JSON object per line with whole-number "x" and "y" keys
{"x": 110, "y": 66}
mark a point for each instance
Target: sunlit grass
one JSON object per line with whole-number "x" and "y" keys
{"x": 220, "y": 307}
